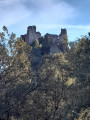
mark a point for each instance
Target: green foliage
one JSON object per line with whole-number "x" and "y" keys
{"x": 84, "y": 114}
{"x": 14, "y": 69}
{"x": 83, "y": 59}
{"x": 45, "y": 44}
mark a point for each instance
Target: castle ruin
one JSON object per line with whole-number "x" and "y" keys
{"x": 55, "y": 40}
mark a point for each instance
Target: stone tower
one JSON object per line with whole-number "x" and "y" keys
{"x": 31, "y": 35}
{"x": 62, "y": 40}
{"x": 62, "y": 34}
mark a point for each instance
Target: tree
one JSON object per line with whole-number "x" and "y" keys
{"x": 83, "y": 59}
{"x": 53, "y": 74}
{"x": 35, "y": 57}
{"x": 14, "y": 68}
{"x": 84, "y": 114}
{"x": 78, "y": 58}
{"x": 45, "y": 41}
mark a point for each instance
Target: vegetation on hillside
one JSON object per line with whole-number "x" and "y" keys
{"x": 35, "y": 85}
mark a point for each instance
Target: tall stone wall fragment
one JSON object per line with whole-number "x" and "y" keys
{"x": 31, "y": 35}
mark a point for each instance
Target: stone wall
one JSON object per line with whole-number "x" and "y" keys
{"x": 53, "y": 38}
{"x": 56, "y": 40}
{"x": 54, "y": 49}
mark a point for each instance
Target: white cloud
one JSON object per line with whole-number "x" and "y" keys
{"x": 35, "y": 12}
{"x": 51, "y": 12}
{"x": 83, "y": 27}
{"x": 12, "y": 12}
{"x": 54, "y": 26}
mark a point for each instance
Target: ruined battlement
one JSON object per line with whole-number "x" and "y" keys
{"x": 63, "y": 31}
{"x": 31, "y": 28}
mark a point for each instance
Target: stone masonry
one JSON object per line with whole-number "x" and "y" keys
{"x": 31, "y": 35}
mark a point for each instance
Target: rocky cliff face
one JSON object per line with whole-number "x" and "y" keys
{"x": 55, "y": 40}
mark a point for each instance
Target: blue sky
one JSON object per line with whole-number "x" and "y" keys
{"x": 48, "y": 15}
